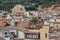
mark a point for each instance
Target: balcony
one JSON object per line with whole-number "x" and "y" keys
{"x": 32, "y": 39}
{"x": 29, "y": 36}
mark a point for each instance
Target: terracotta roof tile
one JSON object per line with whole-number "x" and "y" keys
{"x": 2, "y": 24}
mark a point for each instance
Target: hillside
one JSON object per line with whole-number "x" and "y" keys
{"x": 32, "y": 4}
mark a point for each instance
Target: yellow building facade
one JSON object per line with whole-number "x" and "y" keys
{"x": 44, "y": 33}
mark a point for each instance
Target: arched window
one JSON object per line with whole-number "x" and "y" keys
{"x": 21, "y": 9}
{"x": 46, "y": 35}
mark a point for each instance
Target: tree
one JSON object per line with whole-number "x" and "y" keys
{"x": 47, "y": 3}
{"x": 34, "y": 21}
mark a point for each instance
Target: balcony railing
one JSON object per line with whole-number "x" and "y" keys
{"x": 32, "y": 39}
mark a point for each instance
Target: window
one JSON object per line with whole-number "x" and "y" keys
{"x": 19, "y": 14}
{"x": 46, "y": 35}
{"x": 55, "y": 19}
{"x": 57, "y": 26}
{"x": 21, "y": 9}
{"x": 12, "y": 33}
{"x": 15, "y": 23}
{"x": 5, "y": 13}
{"x": 5, "y": 33}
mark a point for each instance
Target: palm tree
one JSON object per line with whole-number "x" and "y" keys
{"x": 34, "y": 21}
